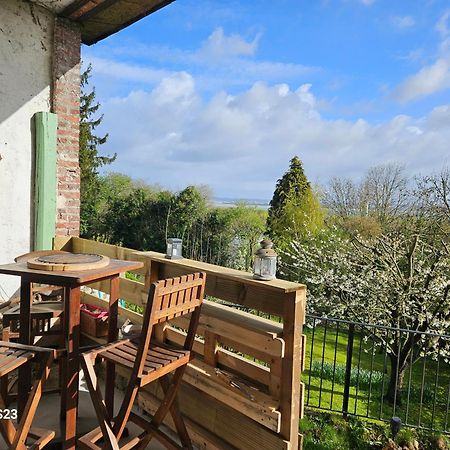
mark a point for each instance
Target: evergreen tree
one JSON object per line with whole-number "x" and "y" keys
{"x": 294, "y": 208}
{"x": 90, "y": 161}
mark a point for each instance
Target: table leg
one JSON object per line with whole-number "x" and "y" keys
{"x": 63, "y": 365}
{"x": 72, "y": 318}
{"x": 112, "y": 336}
{"x": 26, "y": 297}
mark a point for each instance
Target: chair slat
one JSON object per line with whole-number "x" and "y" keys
{"x": 14, "y": 361}
{"x": 170, "y": 312}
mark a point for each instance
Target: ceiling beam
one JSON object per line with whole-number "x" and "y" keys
{"x": 82, "y": 10}
{"x": 78, "y": 5}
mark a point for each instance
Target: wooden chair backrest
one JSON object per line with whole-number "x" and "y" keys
{"x": 171, "y": 298}
{"x": 175, "y": 297}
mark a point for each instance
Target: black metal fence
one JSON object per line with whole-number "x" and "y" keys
{"x": 378, "y": 372}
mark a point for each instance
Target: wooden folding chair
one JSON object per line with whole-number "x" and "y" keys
{"x": 45, "y": 332}
{"x": 148, "y": 361}
{"x": 12, "y": 356}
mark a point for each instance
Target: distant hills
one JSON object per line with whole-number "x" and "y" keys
{"x": 227, "y": 202}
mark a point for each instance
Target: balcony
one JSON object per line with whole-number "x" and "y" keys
{"x": 242, "y": 390}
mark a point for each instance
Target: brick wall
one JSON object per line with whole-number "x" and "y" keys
{"x": 66, "y": 103}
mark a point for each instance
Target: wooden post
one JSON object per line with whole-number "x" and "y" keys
{"x": 275, "y": 377}
{"x": 153, "y": 273}
{"x": 62, "y": 243}
{"x": 45, "y": 180}
{"x": 112, "y": 336}
{"x": 293, "y": 318}
{"x": 72, "y": 320}
{"x": 210, "y": 348}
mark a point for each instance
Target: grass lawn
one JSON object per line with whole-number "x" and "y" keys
{"x": 427, "y": 406}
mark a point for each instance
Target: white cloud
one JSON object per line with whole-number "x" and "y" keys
{"x": 442, "y": 25}
{"x": 218, "y": 45}
{"x": 402, "y": 22}
{"x": 367, "y": 2}
{"x": 133, "y": 72}
{"x": 429, "y": 80}
{"x": 221, "y": 60}
{"x": 241, "y": 144}
{"x": 414, "y": 56}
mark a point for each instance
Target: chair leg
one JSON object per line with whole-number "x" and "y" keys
{"x": 5, "y": 379}
{"x": 110, "y": 441}
{"x": 165, "y": 406}
{"x": 32, "y": 403}
{"x": 62, "y": 385}
{"x": 176, "y": 415}
{"x": 7, "y": 428}
{"x": 125, "y": 410}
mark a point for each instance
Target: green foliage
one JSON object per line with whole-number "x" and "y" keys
{"x": 365, "y": 379}
{"x": 330, "y": 432}
{"x": 127, "y": 220}
{"x": 323, "y": 431}
{"x": 136, "y": 215}
{"x": 406, "y": 437}
{"x": 362, "y": 378}
{"x": 90, "y": 160}
{"x": 433, "y": 441}
{"x": 247, "y": 227}
{"x": 365, "y": 226}
{"x": 294, "y": 208}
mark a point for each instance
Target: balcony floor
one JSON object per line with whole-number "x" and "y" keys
{"x": 47, "y": 417}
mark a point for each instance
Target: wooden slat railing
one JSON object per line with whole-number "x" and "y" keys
{"x": 248, "y": 368}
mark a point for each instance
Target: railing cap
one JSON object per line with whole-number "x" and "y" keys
{"x": 237, "y": 275}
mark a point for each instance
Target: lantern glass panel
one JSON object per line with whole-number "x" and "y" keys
{"x": 174, "y": 248}
{"x": 268, "y": 267}
{"x": 257, "y": 266}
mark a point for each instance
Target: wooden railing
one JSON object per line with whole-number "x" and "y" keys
{"x": 243, "y": 389}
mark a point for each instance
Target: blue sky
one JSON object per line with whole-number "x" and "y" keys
{"x": 224, "y": 93}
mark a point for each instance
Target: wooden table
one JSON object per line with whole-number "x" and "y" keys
{"x": 71, "y": 281}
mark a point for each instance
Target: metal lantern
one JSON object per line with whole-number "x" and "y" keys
{"x": 174, "y": 248}
{"x": 265, "y": 267}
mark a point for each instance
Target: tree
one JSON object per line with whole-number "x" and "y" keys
{"x": 247, "y": 227}
{"x": 90, "y": 160}
{"x": 294, "y": 208}
{"x": 399, "y": 279}
{"x": 384, "y": 193}
{"x": 342, "y": 198}
{"x": 377, "y": 201}
{"x": 434, "y": 191}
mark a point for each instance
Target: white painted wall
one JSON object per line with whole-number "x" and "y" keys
{"x": 26, "y": 35}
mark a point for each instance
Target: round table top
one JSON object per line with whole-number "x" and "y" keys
{"x": 68, "y": 262}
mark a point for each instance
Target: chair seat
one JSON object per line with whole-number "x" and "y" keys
{"x": 160, "y": 358}
{"x": 11, "y": 359}
{"x": 39, "y": 310}
{"x": 46, "y": 328}
{"x": 18, "y": 435}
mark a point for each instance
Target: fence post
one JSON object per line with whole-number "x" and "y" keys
{"x": 290, "y": 388}
{"x": 348, "y": 369}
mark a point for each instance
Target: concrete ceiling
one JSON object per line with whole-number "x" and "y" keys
{"x": 101, "y": 18}
{"x": 55, "y": 6}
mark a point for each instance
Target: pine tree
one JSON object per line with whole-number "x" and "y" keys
{"x": 294, "y": 208}
{"x": 89, "y": 159}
